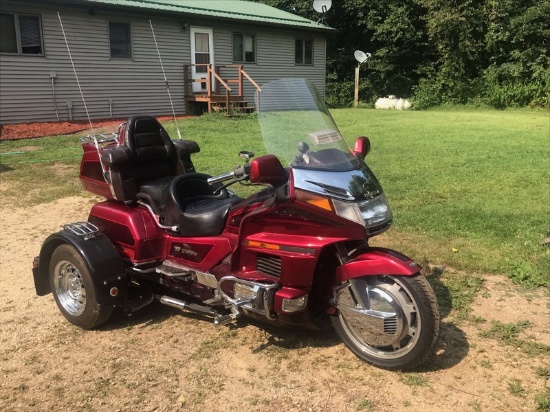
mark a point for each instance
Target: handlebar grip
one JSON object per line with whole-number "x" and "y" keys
{"x": 221, "y": 178}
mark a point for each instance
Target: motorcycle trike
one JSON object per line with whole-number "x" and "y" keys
{"x": 294, "y": 253}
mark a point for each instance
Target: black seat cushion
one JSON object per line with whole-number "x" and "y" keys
{"x": 199, "y": 209}
{"x": 205, "y": 216}
{"x": 154, "y": 191}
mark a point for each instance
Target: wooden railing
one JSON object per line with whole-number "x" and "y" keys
{"x": 214, "y": 82}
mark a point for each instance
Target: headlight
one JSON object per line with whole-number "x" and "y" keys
{"x": 375, "y": 211}
{"x": 368, "y": 213}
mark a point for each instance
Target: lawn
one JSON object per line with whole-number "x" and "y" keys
{"x": 469, "y": 188}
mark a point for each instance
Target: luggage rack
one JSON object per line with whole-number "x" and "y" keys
{"x": 85, "y": 229}
{"x": 100, "y": 139}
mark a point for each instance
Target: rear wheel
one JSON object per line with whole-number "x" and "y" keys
{"x": 388, "y": 321}
{"x": 74, "y": 291}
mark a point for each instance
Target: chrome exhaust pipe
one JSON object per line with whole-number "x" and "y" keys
{"x": 183, "y": 305}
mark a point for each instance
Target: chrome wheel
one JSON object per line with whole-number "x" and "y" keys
{"x": 391, "y": 322}
{"x": 74, "y": 289}
{"x": 69, "y": 288}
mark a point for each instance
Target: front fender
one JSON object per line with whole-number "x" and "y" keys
{"x": 376, "y": 261}
{"x": 99, "y": 254}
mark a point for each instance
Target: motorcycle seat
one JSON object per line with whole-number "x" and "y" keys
{"x": 199, "y": 209}
{"x": 205, "y": 216}
{"x": 154, "y": 191}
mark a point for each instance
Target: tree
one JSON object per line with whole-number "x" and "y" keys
{"x": 453, "y": 51}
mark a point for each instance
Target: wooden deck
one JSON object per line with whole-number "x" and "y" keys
{"x": 217, "y": 92}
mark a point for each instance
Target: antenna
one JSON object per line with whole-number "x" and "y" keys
{"x": 76, "y": 76}
{"x": 322, "y": 6}
{"x": 93, "y": 135}
{"x": 165, "y": 80}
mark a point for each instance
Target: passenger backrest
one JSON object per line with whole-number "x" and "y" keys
{"x": 152, "y": 153}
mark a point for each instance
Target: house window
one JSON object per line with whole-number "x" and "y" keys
{"x": 120, "y": 40}
{"x": 244, "y": 48}
{"x": 21, "y": 34}
{"x": 303, "y": 53}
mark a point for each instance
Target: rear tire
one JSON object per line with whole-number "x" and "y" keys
{"x": 391, "y": 322}
{"x": 74, "y": 291}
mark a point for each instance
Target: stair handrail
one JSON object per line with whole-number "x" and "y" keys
{"x": 218, "y": 78}
{"x": 240, "y": 69}
{"x": 208, "y": 78}
{"x": 251, "y": 81}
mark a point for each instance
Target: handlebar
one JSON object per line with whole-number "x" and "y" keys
{"x": 239, "y": 173}
{"x": 221, "y": 178}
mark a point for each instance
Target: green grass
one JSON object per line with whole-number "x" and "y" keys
{"x": 469, "y": 188}
{"x": 509, "y": 334}
{"x": 477, "y": 182}
{"x": 543, "y": 401}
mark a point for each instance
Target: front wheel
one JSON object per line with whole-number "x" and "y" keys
{"x": 388, "y": 321}
{"x": 74, "y": 291}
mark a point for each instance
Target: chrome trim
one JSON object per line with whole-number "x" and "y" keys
{"x": 334, "y": 191}
{"x": 156, "y": 218}
{"x": 151, "y": 270}
{"x": 100, "y": 138}
{"x": 352, "y": 185}
{"x": 379, "y": 328}
{"x": 148, "y": 262}
{"x": 265, "y": 293}
{"x": 207, "y": 279}
{"x": 216, "y": 179}
{"x": 178, "y": 270}
{"x": 181, "y": 304}
{"x": 86, "y": 230}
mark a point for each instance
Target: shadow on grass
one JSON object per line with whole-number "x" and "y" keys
{"x": 5, "y": 168}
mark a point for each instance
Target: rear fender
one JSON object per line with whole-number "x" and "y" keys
{"x": 99, "y": 254}
{"x": 376, "y": 261}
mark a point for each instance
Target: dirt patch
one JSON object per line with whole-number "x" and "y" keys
{"x": 29, "y": 148}
{"x": 165, "y": 360}
{"x": 41, "y": 129}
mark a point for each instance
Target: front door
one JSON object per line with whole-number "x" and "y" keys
{"x": 202, "y": 52}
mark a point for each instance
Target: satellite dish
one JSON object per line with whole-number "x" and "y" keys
{"x": 360, "y": 56}
{"x": 322, "y": 6}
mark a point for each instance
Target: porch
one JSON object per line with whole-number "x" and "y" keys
{"x": 222, "y": 89}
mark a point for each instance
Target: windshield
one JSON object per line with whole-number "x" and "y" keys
{"x": 297, "y": 127}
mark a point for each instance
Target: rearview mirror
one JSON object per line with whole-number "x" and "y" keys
{"x": 362, "y": 147}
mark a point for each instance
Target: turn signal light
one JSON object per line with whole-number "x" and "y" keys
{"x": 313, "y": 199}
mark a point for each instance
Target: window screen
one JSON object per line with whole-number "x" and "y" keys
{"x": 20, "y": 33}
{"x": 120, "y": 40}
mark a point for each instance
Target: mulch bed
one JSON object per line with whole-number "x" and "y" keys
{"x": 32, "y": 130}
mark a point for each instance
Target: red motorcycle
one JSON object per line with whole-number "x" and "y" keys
{"x": 294, "y": 254}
